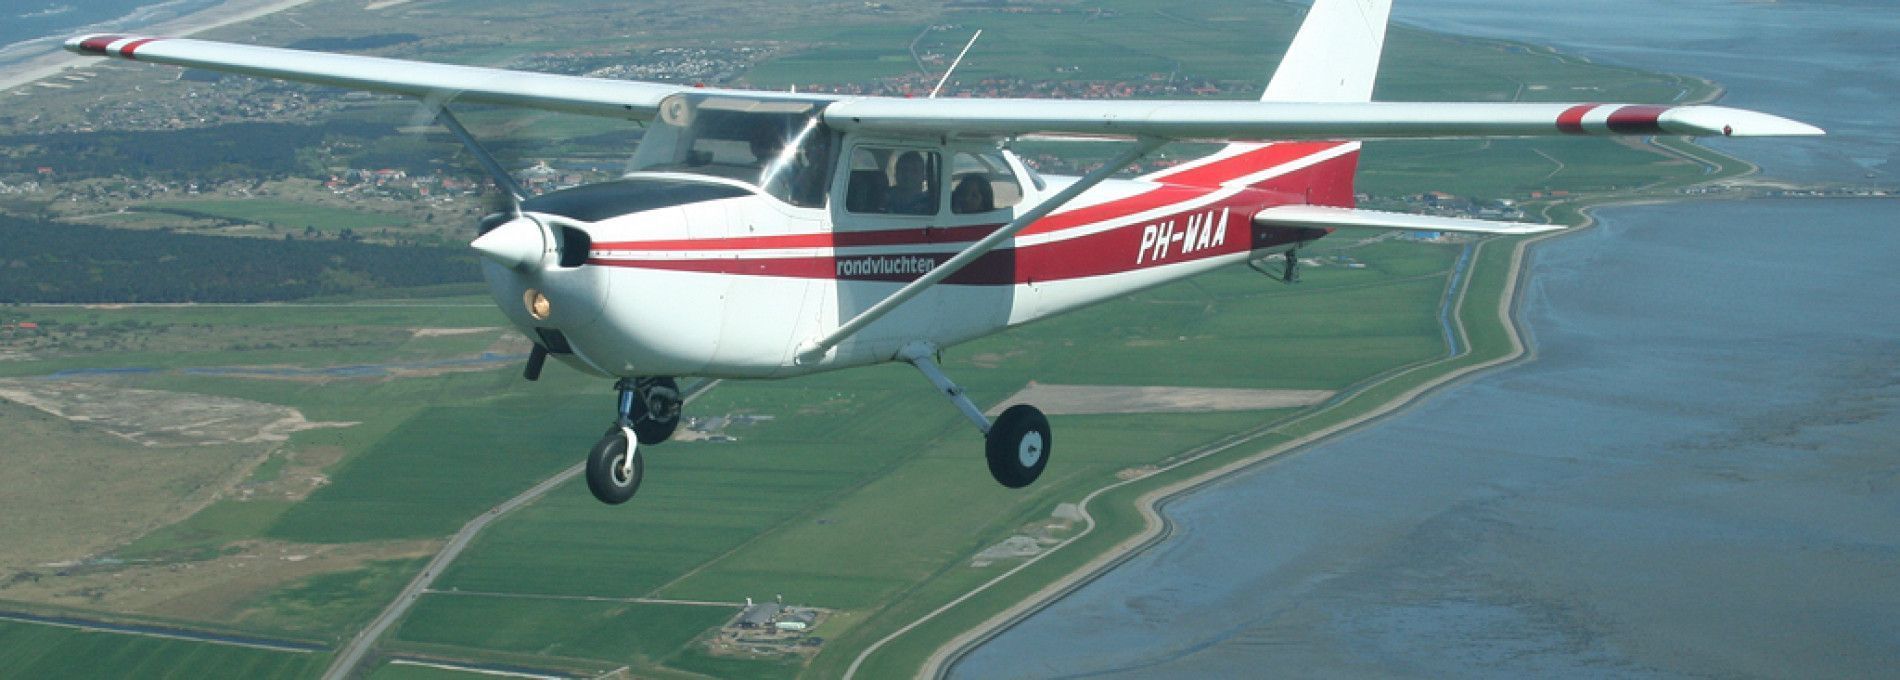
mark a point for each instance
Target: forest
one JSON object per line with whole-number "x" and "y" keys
{"x": 52, "y": 262}
{"x": 246, "y": 151}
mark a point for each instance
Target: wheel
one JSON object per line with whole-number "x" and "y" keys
{"x": 1018, "y": 446}
{"x": 656, "y": 410}
{"x": 610, "y": 475}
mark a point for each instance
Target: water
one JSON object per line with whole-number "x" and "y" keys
{"x": 1826, "y": 62}
{"x": 1696, "y": 476}
{"x": 35, "y": 27}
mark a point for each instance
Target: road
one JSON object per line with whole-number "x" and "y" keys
{"x": 164, "y": 632}
{"x": 352, "y": 655}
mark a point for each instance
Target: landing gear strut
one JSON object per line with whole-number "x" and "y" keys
{"x": 1016, "y": 445}
{"x": 649, "y": 412}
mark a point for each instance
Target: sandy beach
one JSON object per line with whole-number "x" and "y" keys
{"x": 232, "y": 12}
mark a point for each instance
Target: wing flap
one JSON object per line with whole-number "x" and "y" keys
{"x": 1324, "y": 217}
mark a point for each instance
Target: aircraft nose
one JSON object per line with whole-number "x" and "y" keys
{"x": 520, "y": 244}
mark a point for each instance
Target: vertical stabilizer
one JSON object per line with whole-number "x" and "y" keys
{"x": 1335, "y": 56}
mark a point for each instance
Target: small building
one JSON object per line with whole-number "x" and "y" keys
{"x": 796, "y": 620}
{"x": 759, "y": 615}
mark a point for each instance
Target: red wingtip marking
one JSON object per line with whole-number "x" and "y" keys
{"x": 1571, "y": 120}
{"x": 98, "y": 44}
{"x": 133, "y": 46}
{"x": 1637, "y": 120}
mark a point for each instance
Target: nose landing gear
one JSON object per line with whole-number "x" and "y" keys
{"x": 649, "y": 412}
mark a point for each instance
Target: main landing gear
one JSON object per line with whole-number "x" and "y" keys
{"x": 649, "y": 412}
{"x": 1017, "y": 444}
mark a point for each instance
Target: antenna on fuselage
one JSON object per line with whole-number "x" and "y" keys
{"x": 953, "y": 64}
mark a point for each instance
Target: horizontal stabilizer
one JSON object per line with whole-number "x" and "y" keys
{"x": 1324, "y": 217}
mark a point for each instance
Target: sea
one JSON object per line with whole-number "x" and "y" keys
{"x": 35, "y": 27}
{"x": 1696, "y": 473}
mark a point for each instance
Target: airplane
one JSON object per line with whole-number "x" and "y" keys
{"x": 767, "y": 235}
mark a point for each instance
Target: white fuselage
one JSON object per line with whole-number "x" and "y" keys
{"x": 732, "y": 287}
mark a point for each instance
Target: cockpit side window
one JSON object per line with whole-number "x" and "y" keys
{"x": 894, "y": 181}
{"x": 981, "y": 182}
{"x": 780, "y": 146}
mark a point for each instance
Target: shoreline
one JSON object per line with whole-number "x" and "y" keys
{"x": 1156, "y": 527}
{"x": 33, "y": 70}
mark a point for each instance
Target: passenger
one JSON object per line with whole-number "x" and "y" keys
{"x": 912, "y": 192}
{"x": 766, "y": 146}
{"x": 972, "y": 195}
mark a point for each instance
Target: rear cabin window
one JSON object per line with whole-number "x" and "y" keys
{"x": 982, "y": 182}
{"x": 894, "y": 181}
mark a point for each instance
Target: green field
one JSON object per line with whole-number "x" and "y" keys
{"x": 865, "y": 494}
{"x": 42, "y": 651}
{"x": 628, "y": 633}
{"x": 284, "y": 215}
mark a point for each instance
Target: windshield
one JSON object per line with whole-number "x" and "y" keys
{"x": 780, "y": 146}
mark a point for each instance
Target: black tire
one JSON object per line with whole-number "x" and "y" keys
{"x": 604, "y": 476}
{"x": 652, "y": 430}
{"x": 1018, "y": 446}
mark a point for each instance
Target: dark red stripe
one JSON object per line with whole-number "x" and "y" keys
{"x": 1571, "y": 120}
{"x": 98, "y": 44}
{"x": 1172, "y": 191}
{"x": 1149, "y": 200}
{"x": 1637, "y": 120}
{"x": 1105, "y": 253}
{"x": 1227, "y": 169}
{"x": 133, "y": 46}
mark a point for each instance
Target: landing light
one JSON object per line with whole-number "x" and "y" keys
{"x": 537, "y": 304}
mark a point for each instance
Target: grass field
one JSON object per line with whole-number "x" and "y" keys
{"x": 616, "y": 632}
{"x": 866, "y": 494}
{"x": 39, "y": 651}
{"x": 284, "y": 215}
{"x": 871, "y": 453}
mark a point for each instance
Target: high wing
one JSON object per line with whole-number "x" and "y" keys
{"x": 567, "y": 94}
{"x": 1285, "y": 121}
{"x": 1155, "y": 119}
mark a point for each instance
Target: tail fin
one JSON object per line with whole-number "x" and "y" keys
{"x": 1334, "y": 58}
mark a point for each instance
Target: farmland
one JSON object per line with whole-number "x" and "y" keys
{"x": 863, "y": 494}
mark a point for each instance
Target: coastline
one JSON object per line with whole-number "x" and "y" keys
{"x": 30, "y": 71}
{"x": 1156, "y": 527}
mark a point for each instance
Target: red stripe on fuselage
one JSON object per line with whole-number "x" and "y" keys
{"x": 1247, "y": 163}
{"x": 1300, "y": 185}
{"x": 1161, "y": 195}
{"x": 1113, "y": 251}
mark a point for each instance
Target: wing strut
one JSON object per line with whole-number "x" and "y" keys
{"x": 502, "y": 179}
{"x": 815, "y": 349}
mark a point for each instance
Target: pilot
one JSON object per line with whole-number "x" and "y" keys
{"x": 972, "y": 195}
{"x": 803, "y": 179}
{"x": 766, "y": 146}
{"x": 910, "y": 192}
